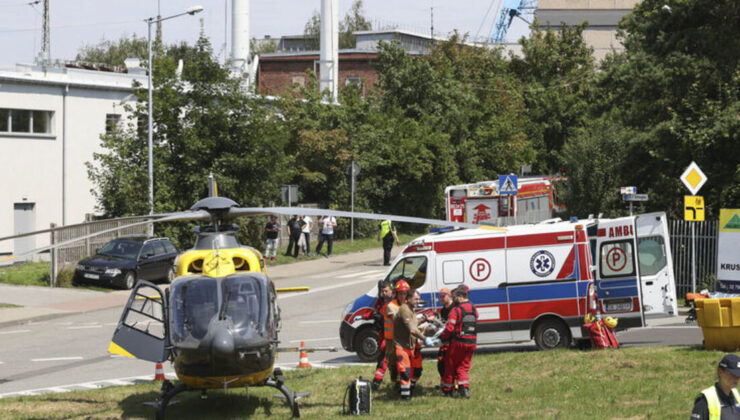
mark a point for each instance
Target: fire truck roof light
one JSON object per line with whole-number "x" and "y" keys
{"x": 574, "y": 219}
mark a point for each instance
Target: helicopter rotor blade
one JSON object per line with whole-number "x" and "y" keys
{"x": 256, "y": 211}
{"x": 171, "y": 217}
{"x": 58, "y": 228}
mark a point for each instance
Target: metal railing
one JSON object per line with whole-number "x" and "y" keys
{"x": 67, "y": 255}
{"x": 706, "y": 253}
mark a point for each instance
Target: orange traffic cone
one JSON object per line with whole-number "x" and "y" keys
{"x": 159, "y": 373}
{"x": 303, "y": 361}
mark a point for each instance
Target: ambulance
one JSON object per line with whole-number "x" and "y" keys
{"x": 534, "y": 282}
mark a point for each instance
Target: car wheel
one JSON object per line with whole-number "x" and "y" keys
{"x": 367, "y": 345}
{"x": 129, "y": 280}
{"x": 171, "y": 275}
{"x": 552, "y": 334}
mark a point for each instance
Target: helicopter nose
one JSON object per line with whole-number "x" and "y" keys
{"x": 223, "y": 342}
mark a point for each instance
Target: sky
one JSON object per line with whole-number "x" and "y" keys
{"x": 75, "y": 23}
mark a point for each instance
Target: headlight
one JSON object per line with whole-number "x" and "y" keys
{"x": 112, "y": 272}
{"x": 80, "y": 267}
{"x": 346, "y": 310}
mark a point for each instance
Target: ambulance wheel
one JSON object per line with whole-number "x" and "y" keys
{"x": 367, "y": 345}
{"x": 552, "y": 334}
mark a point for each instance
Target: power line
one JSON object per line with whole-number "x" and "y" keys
{"x": 72, "y": 26}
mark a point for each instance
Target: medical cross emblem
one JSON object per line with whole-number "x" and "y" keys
{"x": 542, "y": 263}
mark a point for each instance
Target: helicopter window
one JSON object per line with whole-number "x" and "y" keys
{"x": 412, "y": 269}
{"x": 194, "y": 305}
{"x": 242, "y": 300}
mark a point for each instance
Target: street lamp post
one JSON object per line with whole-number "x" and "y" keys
{"x": 191, "y": 11}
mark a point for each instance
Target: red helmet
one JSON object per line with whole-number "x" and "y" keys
{"x": 401, "y": 285}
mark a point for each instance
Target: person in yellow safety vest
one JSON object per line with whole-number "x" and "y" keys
{"x": 387, "y": 232}
{"x": 402, "y": 290}
{"x": 721, "y": 401}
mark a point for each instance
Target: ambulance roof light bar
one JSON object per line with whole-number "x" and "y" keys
{"x": 441, "y": 229}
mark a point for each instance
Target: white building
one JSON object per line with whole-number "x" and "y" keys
{"x": 51, "y": 120}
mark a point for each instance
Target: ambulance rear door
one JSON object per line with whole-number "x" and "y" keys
{"x": 617, "y": 272}
{"x": 655, "y": 266}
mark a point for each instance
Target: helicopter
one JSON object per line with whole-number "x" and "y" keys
{"x": 219, "y": 319}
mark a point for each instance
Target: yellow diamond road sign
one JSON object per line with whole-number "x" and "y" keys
{"x": 693, "y": 208}
{"x": 693, "y": 178}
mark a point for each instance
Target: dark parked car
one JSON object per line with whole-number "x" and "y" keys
{"x": 124, "y": 261}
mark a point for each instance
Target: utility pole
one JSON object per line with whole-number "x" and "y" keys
{"x": 46, "y": 37}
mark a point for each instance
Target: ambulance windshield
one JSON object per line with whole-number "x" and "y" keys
{"x": 411, "y": 269}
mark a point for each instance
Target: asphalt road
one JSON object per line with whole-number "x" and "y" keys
{"x": 70, "y": 352}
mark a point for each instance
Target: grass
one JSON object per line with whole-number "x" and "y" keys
{"x": 632, "y": 383}
{"x": 26, "y": 274}
{"x": 8, "y": 305}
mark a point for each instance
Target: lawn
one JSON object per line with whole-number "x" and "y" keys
{"x": 633, "y": 383}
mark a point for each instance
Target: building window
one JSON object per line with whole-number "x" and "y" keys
{"x": 357, "y": 81}
{"x": 297, "y": 82}
{"x": 112, "y": 123}
{"x": 25, "y": 121}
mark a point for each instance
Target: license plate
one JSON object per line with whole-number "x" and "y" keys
{"x": 618, "y": 307}
{"x": 91, "y": 276}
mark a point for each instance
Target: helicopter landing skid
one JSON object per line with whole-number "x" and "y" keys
{"x": 278, "y": 382}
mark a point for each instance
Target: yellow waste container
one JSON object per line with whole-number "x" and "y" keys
{"x": 719, "y": 320}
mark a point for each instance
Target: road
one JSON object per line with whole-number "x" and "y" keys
{"x": 70, "y": 352}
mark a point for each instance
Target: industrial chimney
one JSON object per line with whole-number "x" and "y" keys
{"x": 329, "y": 56}
{"x": 240, "y": 36}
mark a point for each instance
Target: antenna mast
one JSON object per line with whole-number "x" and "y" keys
{"x": 45, "y": 39}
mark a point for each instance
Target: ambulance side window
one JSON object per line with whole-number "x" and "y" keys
{"x": 412, "y": 269}
{"x": 453, "y": 272}
{"x": 651, "y": 255}
{"x": 616, "y": 259}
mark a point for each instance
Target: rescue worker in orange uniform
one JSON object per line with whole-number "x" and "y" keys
{"x": 445, "y": 297}
{"x": 461, "y": 331}
{"x": 402, "y": 289}
{"x": 405, "y": 335}
{"x": 385, "y": 295}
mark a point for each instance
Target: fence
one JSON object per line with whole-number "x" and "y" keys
{"x": 706, "y": 253}
{"x": 68, "y": 255}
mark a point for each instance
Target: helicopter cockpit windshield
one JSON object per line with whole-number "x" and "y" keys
{"x": 198, "y": 301}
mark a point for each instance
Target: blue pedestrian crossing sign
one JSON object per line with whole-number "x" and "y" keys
{"x": 507, "y": 184}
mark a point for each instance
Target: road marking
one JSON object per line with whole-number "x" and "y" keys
{"x": 326, "y": 321}
{"x": 361, "y": 273}
{"x": 15, "y": 332}
{"x": 57, "y": 359}
{"x": 323, "y": 289}
{"x": 315, "y": 339}
{"x": 649, "y": 327}
{"x": 88, "y": 385}
{"x": 84, "y": 326}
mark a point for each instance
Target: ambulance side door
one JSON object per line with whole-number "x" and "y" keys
{"x": 484, "y": 272}
{"x": 655, "y": 265}
{"x": 617, "y": 272}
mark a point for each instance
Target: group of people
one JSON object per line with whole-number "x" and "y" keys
{"x": 404, "y": 331}
{"x": 299, "y": 235}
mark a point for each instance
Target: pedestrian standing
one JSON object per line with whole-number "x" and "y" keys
{"x": 327, "y": 223}
{"x": 307, "y": 233}
{"x": 405, "y": 334}
{"x": 445, "y": 297}
{"x": 294, "y": 230}
{"x": 720, "y": 401}
{"x": 385, "y": 295}
{"x": 387, "y": 232}
{"x": 402, "y": 291}
{"x": 272, "y": 229}
{"x": 461, "y": 331}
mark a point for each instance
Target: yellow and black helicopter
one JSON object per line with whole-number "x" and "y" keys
{"x": 218, "y": 321}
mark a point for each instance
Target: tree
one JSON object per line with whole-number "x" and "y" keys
{"x": 203, "y": 123}
{"x": 353, "y": 21}
{"x": 114, "y": 52}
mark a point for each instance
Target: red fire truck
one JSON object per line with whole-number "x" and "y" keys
{"x": 481, "y": 201}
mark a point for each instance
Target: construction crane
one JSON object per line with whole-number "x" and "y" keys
{"x": 523, "y": 9}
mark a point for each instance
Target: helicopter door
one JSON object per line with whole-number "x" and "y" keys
{"x": 142, "y": 331}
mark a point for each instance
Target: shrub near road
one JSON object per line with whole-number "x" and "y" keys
{"x": 632, "y": 383}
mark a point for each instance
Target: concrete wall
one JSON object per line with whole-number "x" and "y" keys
{"x": 31, "y": 165}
